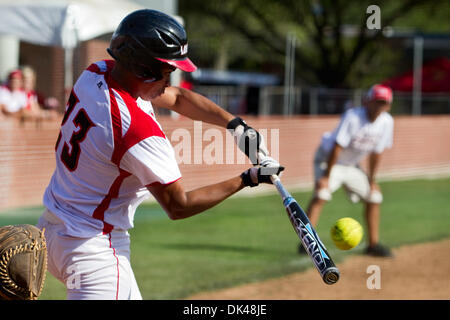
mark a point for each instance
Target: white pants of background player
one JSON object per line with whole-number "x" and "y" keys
{"x": 95, "y": 268}
{"x": 353, "y": 179}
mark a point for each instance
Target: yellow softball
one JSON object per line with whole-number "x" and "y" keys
{"x": 346, "y": 233}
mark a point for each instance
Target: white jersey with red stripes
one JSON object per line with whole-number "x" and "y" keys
{"x": 109, "y": 149}
{"x": 13, "y": 101}
{"x": 359, "y": 136}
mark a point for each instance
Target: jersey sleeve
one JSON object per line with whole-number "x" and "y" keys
{"x": 387, "y": 138}
{"x": 346, "y": 129}
{"x": 152, "y": 160}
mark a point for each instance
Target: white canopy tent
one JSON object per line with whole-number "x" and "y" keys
{"x": 62, "y": 23}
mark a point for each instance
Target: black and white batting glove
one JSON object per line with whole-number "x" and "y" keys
{"x": 250, "y": 141}
{"x": 256, "y": 175}
{"x": 268, "y": 162}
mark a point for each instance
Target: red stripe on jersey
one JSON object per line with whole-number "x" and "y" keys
{"x": 142, "y": 125}
{"x": 99, "y": 212}
{"x": 96, "y": 69}
{"x": 110, "y": 64}
{"x": 116, "y": 120}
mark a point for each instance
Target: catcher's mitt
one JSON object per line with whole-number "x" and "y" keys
{"x": 23, "y": 262}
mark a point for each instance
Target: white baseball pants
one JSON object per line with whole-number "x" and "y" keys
{"x": 95, "y": 268}
{"x": 352, "y": 178}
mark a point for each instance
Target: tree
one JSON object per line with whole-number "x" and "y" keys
{"x": 335, "y": 45}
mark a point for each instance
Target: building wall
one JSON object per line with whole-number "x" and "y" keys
{"x": 89, "y": 52}
{"x": 27, "y": 161}
{"x": 48, "y": 62}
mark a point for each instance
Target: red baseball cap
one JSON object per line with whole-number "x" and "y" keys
{"x": 379, "y": 92}
{"x": 15, "y": 74}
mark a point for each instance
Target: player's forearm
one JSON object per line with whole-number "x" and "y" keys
{"x": 201, "y": 199}
{"x": 198, "y": 107}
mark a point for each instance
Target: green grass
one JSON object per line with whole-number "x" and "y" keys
{"x": 248, "y": 239}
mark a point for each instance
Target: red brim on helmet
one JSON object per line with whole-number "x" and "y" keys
{"x": 185, "y": 64}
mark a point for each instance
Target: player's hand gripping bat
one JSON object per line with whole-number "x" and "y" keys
{"x": 308, "y": 236}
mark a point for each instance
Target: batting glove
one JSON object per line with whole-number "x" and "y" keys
{"x": 250, "y": 141}
{"x": 268, "y": 162}
{"x": 256, "y": 175}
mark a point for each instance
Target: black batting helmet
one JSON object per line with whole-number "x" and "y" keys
{"x": 145, "y": 39}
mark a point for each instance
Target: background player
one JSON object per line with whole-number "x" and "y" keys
{"x": 362, "y": 131}
{"x": 111, "y": 154}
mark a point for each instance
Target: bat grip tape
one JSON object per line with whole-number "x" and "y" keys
{"x": 281, "y": 189}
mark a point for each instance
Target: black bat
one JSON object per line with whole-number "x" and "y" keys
{"x": 308, "y": 236}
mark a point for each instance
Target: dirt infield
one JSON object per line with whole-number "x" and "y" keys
{"x": 416, "y": 272}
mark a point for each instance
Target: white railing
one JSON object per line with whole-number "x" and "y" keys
{"x": 270, "y": 100}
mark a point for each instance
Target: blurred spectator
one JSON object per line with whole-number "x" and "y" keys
{"x": 32, "y": 109}
{"x": 45, "y": 107}
{"x": 13, "y": 98}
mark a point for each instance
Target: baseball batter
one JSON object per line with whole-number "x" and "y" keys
{"x": 111, "y": 154}
{"x": 362, "y": 131}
